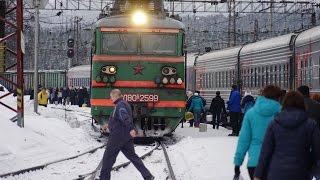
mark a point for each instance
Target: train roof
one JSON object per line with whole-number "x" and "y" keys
{"x": 190, "y": 58}
{"x": 264, "y": 45}
{"x": 154, "y": 22}
{"x": 308, "y": 36}
{"x": 82, "y": 71}
{"x": 267, "y": 44}
{"x": 225, "y": 53}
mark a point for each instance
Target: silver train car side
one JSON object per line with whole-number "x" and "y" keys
{"x": 287, "y": 61}
{"x": 79, "y": 76}
{"x": 47, "y": 78}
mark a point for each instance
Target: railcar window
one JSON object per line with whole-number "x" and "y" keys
{"x": 223, "y": 79}
{"x": 280, "y": 74}
{"x": 306, "y": 73}
{"x": 310, "y": 71}
{"x": 207, "y": 80}
{"x": 267, "y": 75}
{"x": 219, "y": 80}
{"x": 252, "y": 76}
{"x": 213, "y": 80}
{"x": 319, "y": 71}
{"x": 216, "y": 79}
{"x": 164, "y": 44}
{"x": 271, "y": 74}
{"x": 263, "y": 77}
{"x": 255, "y": 77}
{"x": 286, "y": 75}
{"x": 200, "y": 82}
{"x": 120, "y": 43}
{"x": 227, "y": 78}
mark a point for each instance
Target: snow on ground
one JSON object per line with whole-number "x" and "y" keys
{"x": 45, "y": 138}
{"x": 196, "y": 155}
{"x": 205, "y": 156}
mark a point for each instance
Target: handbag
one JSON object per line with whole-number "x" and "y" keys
{"x": 223, "y": 118}
{"x": 188, "y": 116}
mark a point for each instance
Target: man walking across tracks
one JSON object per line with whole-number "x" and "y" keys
{"x": 121, "y": 137}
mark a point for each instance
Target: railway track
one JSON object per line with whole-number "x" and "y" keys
{"x": 92, "y": 175}
{"x": 42, "y": 166}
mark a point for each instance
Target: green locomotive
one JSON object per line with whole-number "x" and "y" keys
{"x": 139, "y": 50}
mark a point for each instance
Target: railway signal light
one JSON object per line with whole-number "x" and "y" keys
{"x": 70, "y": 52}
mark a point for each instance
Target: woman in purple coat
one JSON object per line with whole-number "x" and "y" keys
{"x": 291, "y": 146}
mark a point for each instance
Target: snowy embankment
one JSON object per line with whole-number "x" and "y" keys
{"x": 45, "y": 138}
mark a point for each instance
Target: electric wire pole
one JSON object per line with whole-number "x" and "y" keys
{"x": 36, "y": 51}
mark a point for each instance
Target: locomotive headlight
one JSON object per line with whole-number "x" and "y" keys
{"x": 172, "y": 81}
{"x": 139, "y": 18}
{"x": 109, "y": 69}
{"x": 164, "y": 80}
{"x": 168, "y": 71}
{"x": 179, "y": 81}
{"x": 112, "y": 69}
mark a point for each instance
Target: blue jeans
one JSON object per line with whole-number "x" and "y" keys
{"x": 114, "y": 146}
{"x": 197, "y": 117}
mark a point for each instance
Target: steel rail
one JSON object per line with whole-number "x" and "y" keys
{"x": 171, "y": 172}
{"x": 14, "y": 173}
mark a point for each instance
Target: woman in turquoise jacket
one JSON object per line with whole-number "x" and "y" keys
{"x": 196, "y": 107}
{"x": 254, "y": 126}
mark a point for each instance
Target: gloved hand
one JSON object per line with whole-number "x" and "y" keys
{"x": 236, "y": 170}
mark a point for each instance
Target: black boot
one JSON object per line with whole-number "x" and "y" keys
{"x": 149, "y": 178}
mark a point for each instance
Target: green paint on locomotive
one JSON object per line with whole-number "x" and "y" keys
{"x": 168, "y": 117}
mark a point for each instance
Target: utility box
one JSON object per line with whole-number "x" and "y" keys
{"x": 203, "y": 127}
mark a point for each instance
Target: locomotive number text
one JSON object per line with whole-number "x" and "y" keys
{"x": 141, "y": 97}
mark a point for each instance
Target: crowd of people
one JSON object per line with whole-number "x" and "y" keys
{"x": 279, "y": 131}
{"x": 65, "y": 96}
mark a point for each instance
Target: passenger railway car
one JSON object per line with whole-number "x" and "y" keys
{"x": 139, "y": 50}
{"x": 287, "y": 61}
{"x": 79, "y": 76}
{"x": 47, "y": 78}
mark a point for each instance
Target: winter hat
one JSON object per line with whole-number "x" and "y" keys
{"x": 247, "y": 93}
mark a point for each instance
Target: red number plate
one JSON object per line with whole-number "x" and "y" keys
{"x": 141, "y": 97}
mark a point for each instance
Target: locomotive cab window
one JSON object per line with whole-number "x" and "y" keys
{"x": 162, "y": 44}
{"x": 120, "y": 43}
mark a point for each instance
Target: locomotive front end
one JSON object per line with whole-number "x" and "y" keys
{"x": 141, "y": 54}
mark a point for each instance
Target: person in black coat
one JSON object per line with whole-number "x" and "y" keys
{"x": 291, "y": 146}
{"x": 31, "y": 93}
{"x": 312, "y": 107}
{"x": 217, "y": 106}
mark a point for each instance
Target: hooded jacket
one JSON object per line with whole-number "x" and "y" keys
{"x": 196, "y": 104}
{"x": 253, "y": 129}
{"x": 285, "y": 153}
{"x": 42, "y": 98}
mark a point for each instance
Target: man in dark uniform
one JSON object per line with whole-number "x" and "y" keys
{"x": 121, "y": 137}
